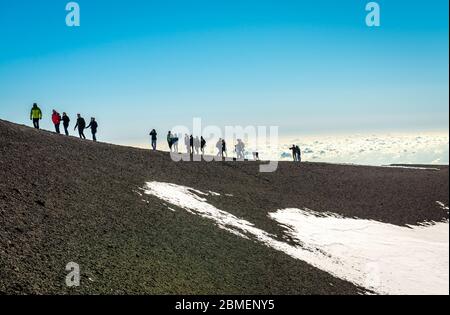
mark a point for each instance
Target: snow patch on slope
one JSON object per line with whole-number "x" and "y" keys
{"x": 381, "y": 257}
{"x": 412, "y": 167}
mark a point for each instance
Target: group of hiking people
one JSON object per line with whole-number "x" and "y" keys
{"x": 36, "y": 116}
{"x": 196, "y": 145}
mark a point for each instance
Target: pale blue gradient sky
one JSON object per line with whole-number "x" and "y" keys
{"x": 311, "y": 67}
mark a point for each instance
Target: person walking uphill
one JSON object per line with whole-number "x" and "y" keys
{"x": 66, "y": 121}
{"x": 56, "y": 119}
{"x": 94, "y": 126}
{"x": 35, "y": 115}
{"x": 81, "y": 125}
{"x": 154, "y": 138}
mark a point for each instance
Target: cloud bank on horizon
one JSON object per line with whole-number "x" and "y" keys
{"x": 424, "y": 148}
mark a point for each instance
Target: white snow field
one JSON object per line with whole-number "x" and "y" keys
{"x": 381, "y": 257}
{"x": 412, "y": 167}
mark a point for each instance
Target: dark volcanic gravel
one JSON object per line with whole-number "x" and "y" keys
{"x": 63, "y": 200}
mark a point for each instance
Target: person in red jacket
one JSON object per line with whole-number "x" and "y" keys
{"x": 56, "y": 118}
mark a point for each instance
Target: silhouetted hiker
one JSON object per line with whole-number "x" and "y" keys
{"x": 81, "y": 125}
{"x": 187, "y": 143}
{"x": 175, "y": 140}
{"x": 202, "y": 145}
{"x": 94, "y": 126}
{"x": 191, "y": 144}
{"x": 170, "y": 140}
{"x": 242, "y": 149}
{"x": 239, "y": 148}
{"x": 256, "y": 156}
{"x": 66, "y": 121}
{"x": 219, "y": 147}
{"x": 299, "y": 153}
{"x": 153, "y": 136}
{"x": 224, "y": 148}
{"x": 56, "y": 119}
{"x": 35, "y": 115}
{"x": 294, "y": 152}
{"x": 197, "y": 145}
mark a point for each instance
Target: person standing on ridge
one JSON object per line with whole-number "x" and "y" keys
{"x": 94, "y": 126}
{"x": 175, "y": 139}
{"x": 81, "y": 125}
{"x": 294, "y": 152}
{"x": 202, "y": 145}
{"x": 239, "y": 148}
{"x": 153, "y": 136}
{"x": 186, "y": 144}
{"x": 56, "y": 119}
{"x": 35, "y": 115}
{"x": 224, "y": 148}
{"x": 219, "y": 147}
{"x": 169, "y": 140}
{"x": 66, "y": 121}
{"x": 191, "y": 144}
{"x": 197, "y": 145}
{"x": 299, "y": 153}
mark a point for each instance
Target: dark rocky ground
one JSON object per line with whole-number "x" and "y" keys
{"x": 63, "y": 200}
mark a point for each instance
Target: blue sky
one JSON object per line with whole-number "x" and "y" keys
{"x": 310, "y": 67}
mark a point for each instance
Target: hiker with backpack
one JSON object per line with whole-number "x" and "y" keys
{"x": 66, "y": 121}
{"x": 81, "y": 125}
{"x": 35, "y": 115}
{"x": 153, "y": 136}
{"x": 94, "y": 126}
{"x": 56, "y": 119}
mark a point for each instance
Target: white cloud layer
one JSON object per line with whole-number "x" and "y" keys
{"x": 427, "y": 148}
{"x": 363, "y": 149}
